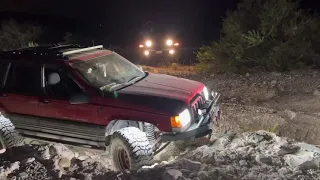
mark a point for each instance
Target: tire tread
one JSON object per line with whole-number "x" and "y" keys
{"x": 137, "y": 144}
{"x": 10, "y": 137}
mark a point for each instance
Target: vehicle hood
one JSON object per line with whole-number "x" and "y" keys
{"x": 156, "y": 93}
{"x": 164, "y": 86}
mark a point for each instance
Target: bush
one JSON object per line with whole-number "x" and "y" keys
{"x": 14, "y": 35}
{"x": 266, "y": 35}
{"x": 174, "y": 66}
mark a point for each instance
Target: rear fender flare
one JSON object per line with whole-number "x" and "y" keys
{"x": 3, "y": 110}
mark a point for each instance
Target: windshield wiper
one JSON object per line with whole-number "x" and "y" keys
{"x": 108, "y": 86}
{"x": 114, "y": 86}
{"x": 135, "y": 78}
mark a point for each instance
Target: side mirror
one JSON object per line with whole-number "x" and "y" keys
{"x": 140, "y": 67}
{"x": 53, "y": 78}
{"x": 80, "y": 98}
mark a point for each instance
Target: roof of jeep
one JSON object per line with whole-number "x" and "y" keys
{"x": 61, "y": 53}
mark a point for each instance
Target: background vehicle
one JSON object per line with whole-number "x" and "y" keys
{"x": 96, "y": 97}
{"x": 158, "y": 47}
{"x": 161, "y": 51}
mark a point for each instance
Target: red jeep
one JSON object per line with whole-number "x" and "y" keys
{"x": 96, "y": 97}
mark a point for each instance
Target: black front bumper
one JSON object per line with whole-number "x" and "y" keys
{"x": 202, "y": 128}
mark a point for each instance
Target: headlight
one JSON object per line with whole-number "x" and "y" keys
{"x": 146, "y": 53}
{"x": 148, "y": 43}
{"x": 205, "y": 93}
{"x": 182, "y": 120}
{"x": 171, "y": 51}
{"x": 169, "y": 42}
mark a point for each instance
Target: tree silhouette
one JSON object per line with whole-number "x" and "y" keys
{"x": 264, "y": 35}
{"x": 14, "y": 35}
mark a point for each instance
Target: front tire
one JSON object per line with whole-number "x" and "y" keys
{"x": 130, "y": 149}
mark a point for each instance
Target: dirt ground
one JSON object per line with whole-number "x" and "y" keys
{"x": 256, "y": 155}
{"x": 285, "y": 103}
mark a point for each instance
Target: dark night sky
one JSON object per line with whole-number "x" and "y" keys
{"x": 196, "y": 21}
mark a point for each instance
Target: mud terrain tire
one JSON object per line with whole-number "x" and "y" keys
{"x": 130, "y": 149}
{"x": 9, "y": 137}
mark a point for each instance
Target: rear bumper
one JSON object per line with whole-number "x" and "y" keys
{"x": 158, "y": 54}
{"x": 202, "y": 128}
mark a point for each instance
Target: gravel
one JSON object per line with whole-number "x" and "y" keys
{"x": 250, "y": 155}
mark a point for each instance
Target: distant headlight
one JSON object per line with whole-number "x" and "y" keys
{"x": 148, "y": 43}
{"x": 146, "y": 53}
{"x": 169, "y": 42}
{"x": 182, "y": 120}
{"x": 206, "y": 93}
{"x": 171, "y": 51}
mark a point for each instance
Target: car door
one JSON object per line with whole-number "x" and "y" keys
{"x": 55, "y": 103}
{"x": 21, "y": 89}
{"x": 63, "y": 118}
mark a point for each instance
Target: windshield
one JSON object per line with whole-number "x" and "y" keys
{"x": 108, "y": 71}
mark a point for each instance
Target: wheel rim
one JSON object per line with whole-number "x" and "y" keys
{"x": 123, "y": 159}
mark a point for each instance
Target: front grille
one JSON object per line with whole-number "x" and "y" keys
{"x": 197, "y": 102}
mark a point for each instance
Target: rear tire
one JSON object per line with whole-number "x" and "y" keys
{"x": 130, "y": 149}
{"x": 9, "y": 137}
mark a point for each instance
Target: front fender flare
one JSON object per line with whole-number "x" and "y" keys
{"x": 115, "y": 125}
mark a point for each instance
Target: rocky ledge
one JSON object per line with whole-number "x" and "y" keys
{"x": 251, "y": 155}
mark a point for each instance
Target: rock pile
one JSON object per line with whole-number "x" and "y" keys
{"x": 255, "y": 155}
{"x": 251, "y": 155}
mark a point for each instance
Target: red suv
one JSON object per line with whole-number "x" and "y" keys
{"x": 96, "y": 97}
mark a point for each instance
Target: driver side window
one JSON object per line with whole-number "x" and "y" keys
{"x": 64, "y": 88}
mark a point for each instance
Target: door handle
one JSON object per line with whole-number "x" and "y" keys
{"x": 44, "y": 101}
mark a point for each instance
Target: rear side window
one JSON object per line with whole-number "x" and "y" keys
{"x": 24, "y": 79}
